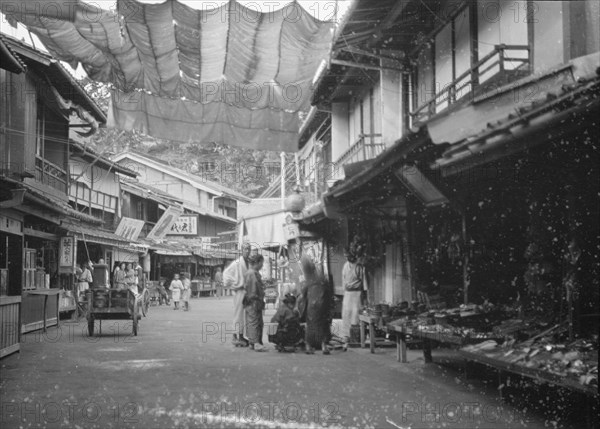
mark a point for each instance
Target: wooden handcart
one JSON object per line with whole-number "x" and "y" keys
{"x": 113, "y": 304}
{"x": 106, "y": 303}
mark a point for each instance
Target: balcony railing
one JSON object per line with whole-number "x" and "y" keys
{"x": 502, "y": 60}
{"x": 50, "y": 174}
{"x": 368, "y": 146}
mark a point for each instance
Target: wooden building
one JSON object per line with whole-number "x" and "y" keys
{"x": 40, "y": 101}
{"x": 403, "y": 83}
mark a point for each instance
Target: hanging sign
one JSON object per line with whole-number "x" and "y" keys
{"x": 12, "y": 226}
{"x": 164, "y": 224}
{"x": 186, "y": 224}
{"x": 129, "y": 228}
{"x": 68, "y": 253}
{"x": 291, "y": 230}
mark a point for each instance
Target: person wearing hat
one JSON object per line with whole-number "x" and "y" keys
{"x": 289, "y": 331}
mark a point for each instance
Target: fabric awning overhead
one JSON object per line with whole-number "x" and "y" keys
{"x": 229, "y": 74}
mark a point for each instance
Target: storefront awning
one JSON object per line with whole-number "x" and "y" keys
{"x": 106, "y": 238}
{"x": 391, "y": 157}
{"x": 173, "y": 252}
{"x": 227, "y": 74}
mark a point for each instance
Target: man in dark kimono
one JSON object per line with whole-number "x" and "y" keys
{"x": 254, "y": 303}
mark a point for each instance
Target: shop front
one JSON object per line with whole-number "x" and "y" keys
{"x": 100, "y": 246}
{"x": 11, "y": 262}
{"x": 503, "y": 227}
{"x": 171, "y": 262}
{"x": 41, "y": 278}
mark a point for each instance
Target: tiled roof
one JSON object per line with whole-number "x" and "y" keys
{"x": 192, "y": 178}
{"x": 10, "y": 59}
{"x": 58, "y": 205}
{"x": 578, "y": 94}
{"x": 99, "y": 159}
{"x": 57, "y": 73}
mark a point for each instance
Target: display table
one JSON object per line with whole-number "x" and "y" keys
{"x": 364, "y": 321}
{"x": 206, "y": 288}
{"x": 196, "y": 285}
{"x": 533, "y": 373}
{"x": 47, "y": 293}
{"x": 400, "y": 332}
{"x": 427, "y": 337}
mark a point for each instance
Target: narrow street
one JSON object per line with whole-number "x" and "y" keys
{"x": 182, "y": 371}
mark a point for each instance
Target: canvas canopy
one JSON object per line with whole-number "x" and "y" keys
{"x": 229, "y": 74}
{"x": 263, "y": 231}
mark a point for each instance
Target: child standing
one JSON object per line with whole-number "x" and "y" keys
{"x": 176, "y": 287}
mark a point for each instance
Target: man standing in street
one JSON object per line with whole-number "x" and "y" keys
{"x": 233, "y": 278}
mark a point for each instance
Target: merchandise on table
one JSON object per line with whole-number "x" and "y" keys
{"x": 577, "y": 360}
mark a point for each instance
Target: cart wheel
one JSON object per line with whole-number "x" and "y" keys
{"x": 135, "y": 319}
{"x": 91, "y": 326}
{"x": 145, "y": 302}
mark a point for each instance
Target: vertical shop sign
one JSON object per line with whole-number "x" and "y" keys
{"x": 68, "y": 252}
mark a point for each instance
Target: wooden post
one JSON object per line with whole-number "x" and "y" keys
{"x": 466, "y": 279}
{"x": 362, "y": 333}
{"x": 427, "y": 350}
{"x": 282, "y": 156}
{"x": 297, "y": 161}
{"x": 372, "y": 336}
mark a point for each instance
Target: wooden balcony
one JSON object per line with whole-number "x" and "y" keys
{"x": 503, "y": 64}
{"x": 50, "y": 174}
{"x": 367, "y": 146}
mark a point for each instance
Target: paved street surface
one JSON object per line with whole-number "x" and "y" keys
{"x": 182, "y": 371}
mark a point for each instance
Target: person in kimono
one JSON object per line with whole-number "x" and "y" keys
{"x": 254, "y": 303}
{"x": 353, "y": 280}
{"x": 84, "y": 279}
{"x": 318, "y": 302}
{"x": 116, "y": 268}
{"x": 130, "y": 278}
{"x": 219, "y": 283}
{"x": 289, "y": 331}
{"x": 121, "y": 277}
{"x": 176, "y": 287}
{"x": 233, "y": 278}
{"x": 186, "y": 292}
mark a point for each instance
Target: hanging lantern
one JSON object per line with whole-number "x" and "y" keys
{"x": 294, "y": 202}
